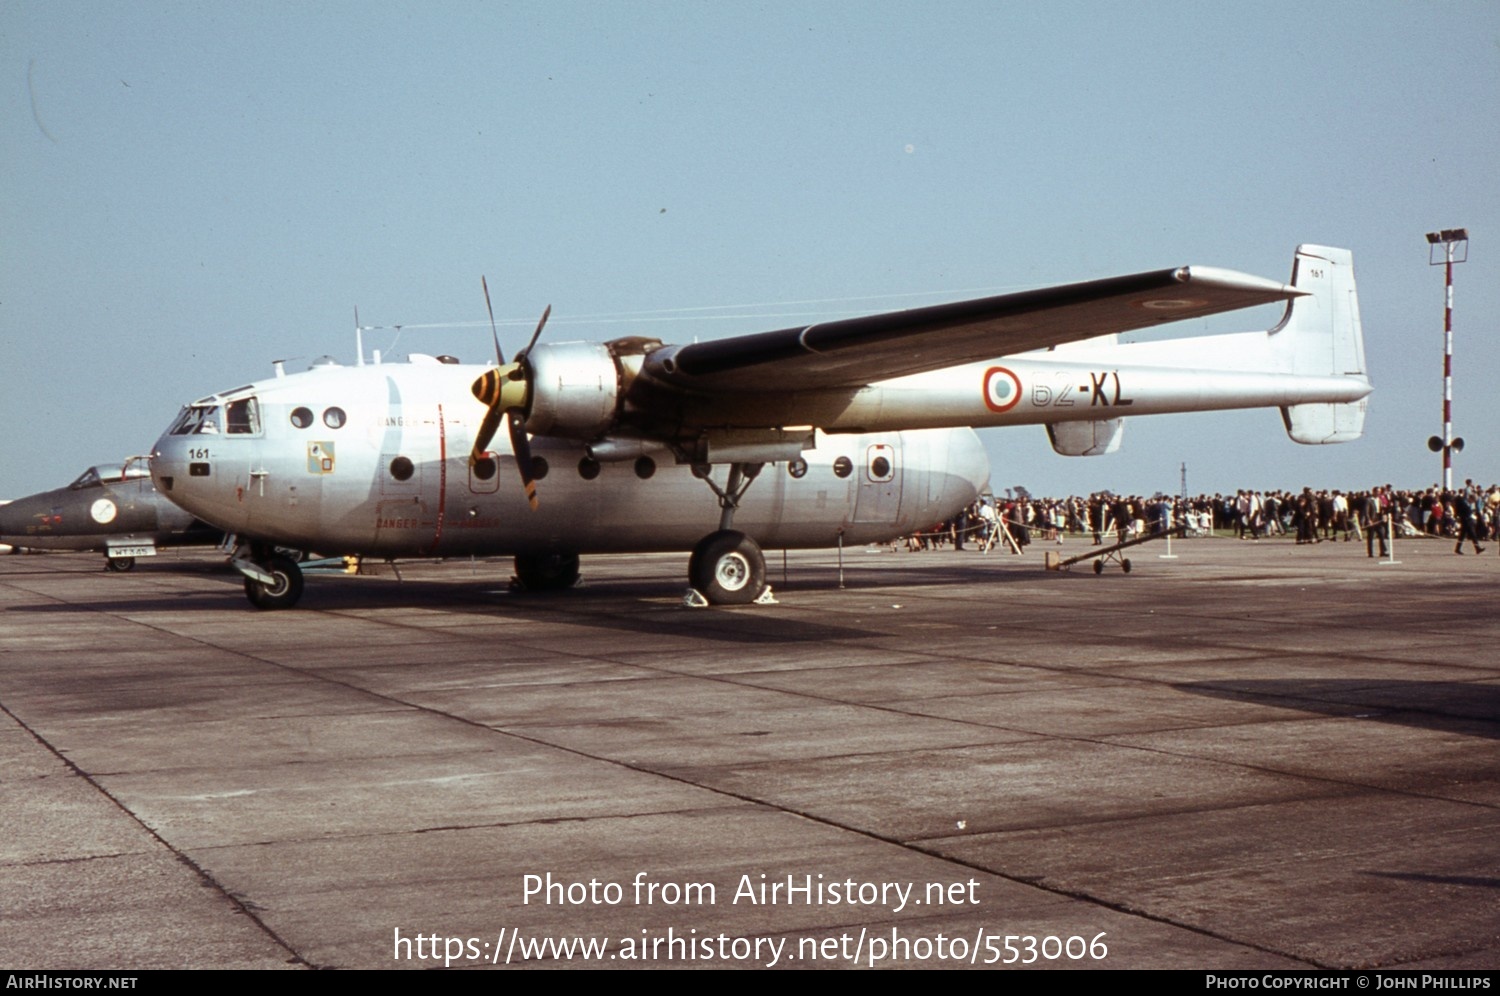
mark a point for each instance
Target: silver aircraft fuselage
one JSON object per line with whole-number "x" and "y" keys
{"x": 375, "y": 460}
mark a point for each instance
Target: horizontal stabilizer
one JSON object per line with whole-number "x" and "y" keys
{"x": 1092, "y": 438}
{"x": 1325, "y": 423}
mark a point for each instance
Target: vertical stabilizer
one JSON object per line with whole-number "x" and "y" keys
{"x": 1321, "y": 336}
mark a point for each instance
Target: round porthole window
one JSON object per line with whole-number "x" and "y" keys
{"x": 588, "y": 469}
{"x": 302, "y": 417}
{"x": 402, "y": 468}
{"x": 539, "y": 468}
{"x": 334, "y": 418}
{"x": 484, "y": 468}
{"x": 843, "y": 466}
{"x": 797, "y": 468}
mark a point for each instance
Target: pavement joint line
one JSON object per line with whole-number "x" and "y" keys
{"x": 247, "y": 909}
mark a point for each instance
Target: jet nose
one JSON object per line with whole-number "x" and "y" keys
{"x": 10, "y": 523}
{"x": 24, "y": 518}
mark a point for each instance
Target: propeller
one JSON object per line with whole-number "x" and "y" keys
{"x": 505, "y": 390}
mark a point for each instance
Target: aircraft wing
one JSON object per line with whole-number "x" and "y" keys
{"x": 856, "y": 351}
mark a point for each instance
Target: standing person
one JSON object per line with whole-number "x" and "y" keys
{"x": 1340, "y": 506}
{"x": 1373, "y": 510}
{"x": 1463, "y": 515}
{"x": 1271, "y": 514}
{"x": 1492, "y": 503}
{"x": 1307, "y": 517}
{"x": 987, "y": 527}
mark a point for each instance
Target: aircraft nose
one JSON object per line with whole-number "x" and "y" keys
{"x": 168, "y": 464}
{"x": 10, "y": 522}
{"x": 22, "y": 517}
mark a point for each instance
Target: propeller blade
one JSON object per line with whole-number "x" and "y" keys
{"x": 499, "y": 356}
{"x": 486, "y": 433}
{"x": 535, "y": 335}
{"x": 521, "y": 447}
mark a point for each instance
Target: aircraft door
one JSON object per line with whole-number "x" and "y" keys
{"x": 402, "y": 515}
{"x": 878, "y": 493}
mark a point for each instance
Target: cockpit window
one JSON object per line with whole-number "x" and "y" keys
{"x": 242, "y": 417}
{"x": 88, "y": 479}
{"x": 197, "y": 420}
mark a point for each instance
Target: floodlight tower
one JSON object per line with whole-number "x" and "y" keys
{"x": 1455, "y": 243}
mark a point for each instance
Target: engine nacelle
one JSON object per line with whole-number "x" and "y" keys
{"x": 575, "y": 389}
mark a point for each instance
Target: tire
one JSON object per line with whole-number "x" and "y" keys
{"x": 728, "y": 568}
{"x": 119, "y": 563}
{"x": 287, "y": 590}
{"x": 547, "y": 571}
{"x": 1098, "y": 567}
{"x": 1125, "y": 565}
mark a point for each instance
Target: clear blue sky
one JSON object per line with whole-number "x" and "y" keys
{"x": 193, "y": 190}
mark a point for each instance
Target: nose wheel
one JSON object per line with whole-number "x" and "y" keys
{"x": 275, "y": 583}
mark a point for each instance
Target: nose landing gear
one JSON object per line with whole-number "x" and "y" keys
{"x": 272, "y": 580}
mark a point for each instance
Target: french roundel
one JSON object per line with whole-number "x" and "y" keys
{"x": 1002, "y": 389}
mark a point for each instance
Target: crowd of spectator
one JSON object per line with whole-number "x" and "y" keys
{"x": 1470, "y": 514}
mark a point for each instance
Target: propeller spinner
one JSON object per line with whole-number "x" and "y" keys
{"x": 506, "y": 390}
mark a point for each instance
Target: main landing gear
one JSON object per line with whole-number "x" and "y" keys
{"x": 546, "y": 571}
{"x": 727, "y": 567}
{"x": 272, "y": 580}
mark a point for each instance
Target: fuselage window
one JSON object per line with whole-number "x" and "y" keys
{"x": 539, "y": 468}
{"x": 302, "y": 417}
{"x": 334, "y": 418}
{"x": 880, "y": 469}
{"x": 402, "y": 468}
{"x": 843, "y": 466}
{"x": 242, "y": 417}
{"x": 645, "y": 467}
{"x": 484, "y": 467}
{"x": 797, "y": 467}
{"x": 588, "y": 469}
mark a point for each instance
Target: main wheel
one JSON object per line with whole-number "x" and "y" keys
{"x": 728, "y": 568}
{"x": 547, "y": 571}
{"x": 119, "y": 563}
{"x": 284, "y": 593}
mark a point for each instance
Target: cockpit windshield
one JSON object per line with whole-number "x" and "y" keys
{"x": 90, "y": 478}
{"x": 197, "y": 420}
{"x": 108, "y": 473}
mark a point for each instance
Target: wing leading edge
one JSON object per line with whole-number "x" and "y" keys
{"x": 856, "y": 351}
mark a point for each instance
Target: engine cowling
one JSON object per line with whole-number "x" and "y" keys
{"x": 575, "y": 389}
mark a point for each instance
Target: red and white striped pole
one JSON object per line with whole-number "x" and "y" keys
{"x": 1448, "y": 369}
{"x": 1449, "y": 239}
